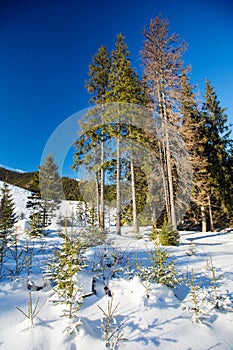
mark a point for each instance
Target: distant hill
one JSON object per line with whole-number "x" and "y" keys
{"x": 23, "y": 180}
{"x": 26, "y": 180}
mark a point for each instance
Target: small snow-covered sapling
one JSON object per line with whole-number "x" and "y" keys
{"x": 214, "y": 280}
{"x": 192, "y": 249}
{"x": 163, "y": 268}
{"x": 33, "y": 311}
{"x": 63, "y": 269}
{"x": 113, "y": 331}
{"x": 196, "y": 310}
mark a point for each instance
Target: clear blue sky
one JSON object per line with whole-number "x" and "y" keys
{"x": 46, "y": 46}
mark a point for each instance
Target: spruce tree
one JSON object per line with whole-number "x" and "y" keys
{"x": 62, "y": 270}
{"x": 7, "y": 215}
{"x": 7, "y": 220}
{"x": 97, "y": 85}
{"x": 192, "y": 131}
{"x": 35, "y": 207}
{"x": 124, "y": 87}
{"x": 50, "y": 188}
{"x": 163, "y": 268}
{"x": 217, "y": 147}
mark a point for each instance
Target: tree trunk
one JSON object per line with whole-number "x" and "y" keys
{"x": 135, "y": 218}
{"x": 44, "y": 220}
{"x": 169, "y": 170}
{"x": 210, "y": 214}
{"x": 165, "y": 185}
{"x": 118, "y": 189}
{"x": 102, "y": 213}
{"x": 97, "y": 197}
{"x": 203, "y": 219}
{"x": 154, "y": 217}
{"x": 170, "y": 183}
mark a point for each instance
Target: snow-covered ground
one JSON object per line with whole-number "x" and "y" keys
{"x": 161, "y": 321}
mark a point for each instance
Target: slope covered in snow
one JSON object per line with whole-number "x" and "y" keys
{"x": 20, "y": 197}
{"x": 148, "y": 316}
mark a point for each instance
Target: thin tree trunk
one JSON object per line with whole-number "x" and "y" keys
{"x": 165, "y": 172}
{"x": 170, "y": 203}
{"x": 169, "y": 170}
{"x": 154, "y": 217}
{"x": 210, "y": 214}
{"x": 165, "y": 187}
{"x": 203, "y": 219}
{"x": 102, "y": 214}
{"x": 97, "y": 197}
{"x": 170, "y": 183}
{"x": 44, "y": 217}
{"x": 118, "y": 189}
{"x": 135, "y": 218}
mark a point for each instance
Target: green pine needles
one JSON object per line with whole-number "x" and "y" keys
{"x": 162, "y": 269}
{"x": 167, "y": 235}
{"x": 62, "y": 270}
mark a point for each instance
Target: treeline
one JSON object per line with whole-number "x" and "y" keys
{"x": 173, "y": 109}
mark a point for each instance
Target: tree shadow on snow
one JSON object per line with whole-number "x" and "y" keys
{"x": 143, "y": 333}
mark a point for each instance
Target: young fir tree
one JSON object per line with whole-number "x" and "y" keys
{"x": 62, "y": 269}
{"x": 7, "y": 220}
{"x": 35, "y": 206}
{"x": 97, "y": 86}
{"x": 217, "y": 148}
{"x": 168, "y": 237}
{"x": 162, "y": 269}
{"x": 124, "y": 87}
{"x": 162, "y": 61}
{"x": 50, "y": 188}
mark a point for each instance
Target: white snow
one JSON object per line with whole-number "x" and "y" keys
{"x": 162, "y": 321}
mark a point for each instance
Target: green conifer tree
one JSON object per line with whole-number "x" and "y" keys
{"x": 35, "y": 206}
{"x": 62, "y": 269}
{"x": 97, "y": 85}
{"x": 163, "y": 268}
{"x": 192, "y": 131}
{"x": 167, "y": 235}
{"x": 124, "y": 87}
{"x": 50, "y": 188}
{"x": 7, "y": 220}
{"x": 217, "y": 146}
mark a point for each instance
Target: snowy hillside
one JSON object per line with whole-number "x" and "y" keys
{"x": 20, "y": 197}
{"x": 147, "y": 315}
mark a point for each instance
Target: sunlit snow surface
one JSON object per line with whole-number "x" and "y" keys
{"x": 161, "y": 321}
